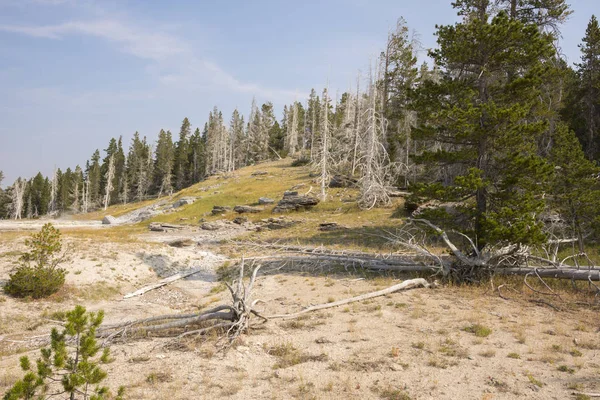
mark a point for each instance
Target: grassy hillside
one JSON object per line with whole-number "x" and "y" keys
{"x": 242, "y": 188}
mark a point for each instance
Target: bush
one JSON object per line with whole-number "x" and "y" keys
{"x": 70, "y": 366}
{"x": 298, "y": 162}
{"x": 38, "y": 274}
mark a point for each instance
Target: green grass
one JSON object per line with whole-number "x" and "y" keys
{"x": 478, "y": 330}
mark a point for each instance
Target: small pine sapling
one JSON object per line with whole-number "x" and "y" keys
{"x": 70, "y": 366}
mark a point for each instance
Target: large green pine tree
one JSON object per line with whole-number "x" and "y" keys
{"x": 196, "y": 157}
{"x": 480, "y": 125}
{"x": 181, "y": 165}
{"x": 575, "y": 190}
{"x": 589, "y": 90}
{"x": 163, "y": 163}
{"x": 93, "y": 173}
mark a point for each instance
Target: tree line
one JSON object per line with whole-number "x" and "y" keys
{"x": 500, "y": 136}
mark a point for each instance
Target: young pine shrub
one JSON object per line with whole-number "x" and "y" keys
{"x": 38, "y": 274}
{"x": 70, "y": 367}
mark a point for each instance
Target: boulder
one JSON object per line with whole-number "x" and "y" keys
{"x": 259, "y": 173}
{"x": 207, "y": 226}
{"x": 220, "y": 210}
{"x": 279, "y": 223}
{"x": 240, "y": 220}
{"x": 184, "y": 201}
{"x": 164, "y": 227}
{"x": 247, "y": 209}
{"x": 292, "y": 202}
{"x": 265, "y": 200}
{"x": 109, "y": 220}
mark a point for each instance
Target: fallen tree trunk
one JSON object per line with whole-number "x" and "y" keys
{"x": 405, "y": 264}
{"x": 559, "y": 273}
{"x": 406, "y": 285}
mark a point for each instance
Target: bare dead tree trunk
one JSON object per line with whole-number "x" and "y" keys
{"x": 85, "y": 197}
{"x": 292, "y": 134}
{"x": 17, "y": 197}
{"x": 53, "y": 192}
{"x": 357, "y": 123}
{"x": 373, "y": 180}
{"x": 325, "y": 146}
{"x": 110, "y": 175}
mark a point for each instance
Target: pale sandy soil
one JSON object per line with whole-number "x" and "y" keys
{"x": 409, "y": 343}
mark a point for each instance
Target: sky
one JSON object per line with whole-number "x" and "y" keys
{"x": 74, "y": 73}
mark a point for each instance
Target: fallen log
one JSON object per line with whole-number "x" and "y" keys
{"x": 408, "y": 264}
{"x": 237, "y": 316}
{"x": 405, "y": 285}
{"x": 558, "y": 273}
{"x": 163, "y": 282}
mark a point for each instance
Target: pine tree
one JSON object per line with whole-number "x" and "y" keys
{"x": 180, "y": 166}
{"x": 589, "y": 90}
{"x": 93, "y": 174}
{"x": 112, "y": 152}
{"x": 481, "y": 117}
{"x": 197, "y": 157}
{"x": 236, "y": 131}
{"x": 575, "y": 186}
{"x": 163, "y": 163}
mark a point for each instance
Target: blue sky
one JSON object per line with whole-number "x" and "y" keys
{"x": 74, "y": 73}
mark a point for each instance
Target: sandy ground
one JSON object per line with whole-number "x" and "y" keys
{"x": 407, "y": 345}
{"x": 30, "y": 225}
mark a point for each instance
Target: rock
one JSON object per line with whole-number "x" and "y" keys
{"x": 330, "y": 226}
{"x": 220, "y": 210}
{"x": 240, "y": 220}
{"x": 182, "y": 243}
{"x": 292, "y": 202}
{"x": 163, "y": 227}
{"x": 207, "y": 226}
{"x": 247, "y": 209}
{"x": 342, "y": 181}
{"x": 156, "y": 227}
{"x": 289, "y": 193}
{"x": 265, "y": 200}
{"x": 279, "y": 223}
{"x": 109, "y": 220}
{"x": 184, "y": 201}
{"x": 259, "y": 173}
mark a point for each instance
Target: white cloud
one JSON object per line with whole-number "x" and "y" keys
{"x": 153, "y": 46}
{"x": 189, "y": 71}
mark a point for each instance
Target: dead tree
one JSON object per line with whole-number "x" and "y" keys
{"x": 292, "y": 130}
{"x": 375, "y": 158}
{"x": 322, "y": 163}
{"x": 85, "y": 195}
{"x": 110, "y": 175}
{"x": 17, "y": 197}
{"x": 53, "y": 192}
{"x": 476, "y": 265}
{"x": 233, "y": 319}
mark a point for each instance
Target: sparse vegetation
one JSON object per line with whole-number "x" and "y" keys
{"x": 70, "y": 365}
{"x": 478, "y": 330}
{"x": 38, "y": 274}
